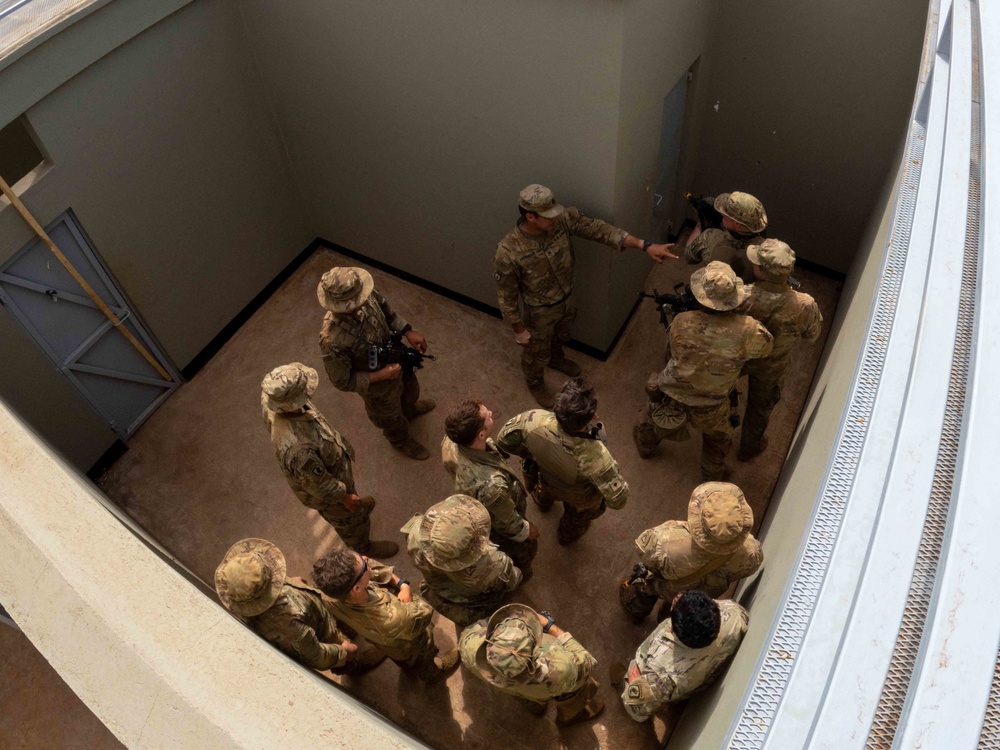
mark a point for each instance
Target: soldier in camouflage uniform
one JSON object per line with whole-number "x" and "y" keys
{"x": 707, "y": 348}
{"x": 359, "y": 316}
{"x": 286, "y": 612}
{"x": 480, "y": 470}
{"x": 466, "y": 577}
{"x": 566, "y": 459}
{"x": 790, "y": 316}
{"x": 708, "y": 552}
{"x": 683, "y": 655}
{"x": 533, "y": 268}
{"x": 315, "y": 458}
{"x": 743, "y": 220}
{"x": 526, "y": 655}
{"x": 369, "y": 597}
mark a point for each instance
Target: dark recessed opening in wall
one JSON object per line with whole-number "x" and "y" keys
{"x": 19, "y": 153}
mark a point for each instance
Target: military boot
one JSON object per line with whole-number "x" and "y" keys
{"x": 445, "y": 663}
{"x": 644, "y": 450}
{"x": 590, "y": 710}
{"x": 566, "y": 366}
{"x": 413, "y": 449}
{"x": 745, "y": 454}
{"x": 541, "y": 393}
{"x": 380, "y": 550}
{"x": 423, "y": 406}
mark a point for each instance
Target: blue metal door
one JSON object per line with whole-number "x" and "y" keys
{"x": 104, "y": 367}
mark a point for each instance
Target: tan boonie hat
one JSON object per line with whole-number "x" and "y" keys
{"x": 539, "y": 200}
{"x": 717, "y": 286}
{"x": 773, "y": 256}
{"x": 512, "y": 635}
{"x": 744, "y": 208}
{"x": 344, "y": 290}
{"x": 289, "y": 387}
{"x": 250, "y": 577}
{"x": 719, "y": 517}
{"x": 455, "y": 533}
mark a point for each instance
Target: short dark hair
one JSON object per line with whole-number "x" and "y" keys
{"x": 335, "y": 573}
{"x": 575, "y": 404}
{"x": 695, "y": 619}
{"x": 524, "y": 212}
{"x": 463, "y": 424}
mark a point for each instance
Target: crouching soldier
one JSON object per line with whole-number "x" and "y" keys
{"x": 369, "y": 597}
{"x": 526, "y": 655}
{"x": 466, "y": 577}
{"x": 286, "y": 612}
{"x": 709, "y": 551}
{"x": 685, "y": 654}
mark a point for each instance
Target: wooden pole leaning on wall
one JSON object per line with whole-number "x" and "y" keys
{"x": 101, "y": 305}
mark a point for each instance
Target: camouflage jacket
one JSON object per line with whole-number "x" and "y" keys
{"x": 538, "y": 269}
{"x": 671, "y": 671}
{"x": 345, "y": 340}
{"x": 787, "y": 314}
{"x": 315, "y": 458}
{"x": 567, "y": 665}
{"x": 479, "y": 583}
{"x": 301, "y": 625}
{"x": 672, "y": 557}
{"x": 384, "y": 620}
{"x": 486, "y": 476}
{"x": 567, "y": 463}
{"x": 706, "y": 353}
{"x": 720, "y": 244}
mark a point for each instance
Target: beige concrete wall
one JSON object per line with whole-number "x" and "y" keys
{"x": 707, "y": 719}
{"x": 162, "y": 665}
{"x": 165, "y": 150}
{"x": 811, "y": 99}
{"x": 660, "y": 43}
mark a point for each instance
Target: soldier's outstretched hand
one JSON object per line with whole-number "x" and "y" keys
{"x": 417, "y": 341}
{"x": 661, "y": 252}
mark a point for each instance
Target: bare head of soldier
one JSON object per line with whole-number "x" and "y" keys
{"x": 343, "y": 574}
{"x": 575, "y": 405}
{"x": 470, "y": 424}
{"x": 695, "y": 619}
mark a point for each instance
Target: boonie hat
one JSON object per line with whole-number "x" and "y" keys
{"x": 289, "y": 387}
{"x": 512, "y": 635}
{"x": 344, "y": 290}
{"x": 539, "y": 200}
{"x": 773, "y": 256}
{"x": 717, "y": 286}
{"x": 250, "y": 577}
{"x": 454, "y": 533}
{"x": 719, "y": 517}
{"x": 744, "y": 208}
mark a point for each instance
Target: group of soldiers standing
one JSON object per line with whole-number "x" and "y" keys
{"x": 476, "y": 547}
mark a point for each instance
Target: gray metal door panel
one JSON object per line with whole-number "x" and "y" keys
{"x": 107, "y": 370}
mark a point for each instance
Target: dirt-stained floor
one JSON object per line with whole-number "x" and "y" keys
{"x": 201, "y": 475}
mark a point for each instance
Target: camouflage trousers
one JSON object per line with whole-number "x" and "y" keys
{"x": 353, "y": 526}
{"x": 389, "y": 404}
{"x": 578, "y": 510}
{"x": 549, "y": 328}
{"x": 669, "y": 420}
{"x": 416, "y": 655}
{"x": 463, "y": 614}
{"x": 763, "y": 394}
{"x": 568, "y": 705}
{"x": 522, "y": 553}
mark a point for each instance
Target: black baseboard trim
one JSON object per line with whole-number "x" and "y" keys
{"x": 112, "y": 454}
{"x": 201, "y": 358}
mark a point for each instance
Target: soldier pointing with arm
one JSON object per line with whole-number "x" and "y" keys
{"x": 534, "y": 268}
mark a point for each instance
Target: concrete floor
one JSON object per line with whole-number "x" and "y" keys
{"x": 201, "y": 474}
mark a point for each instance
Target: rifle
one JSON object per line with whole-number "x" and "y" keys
{"x": 396, "y": 352}
{"x": 704, "y": 206}
{"x": 670, "y": 305}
